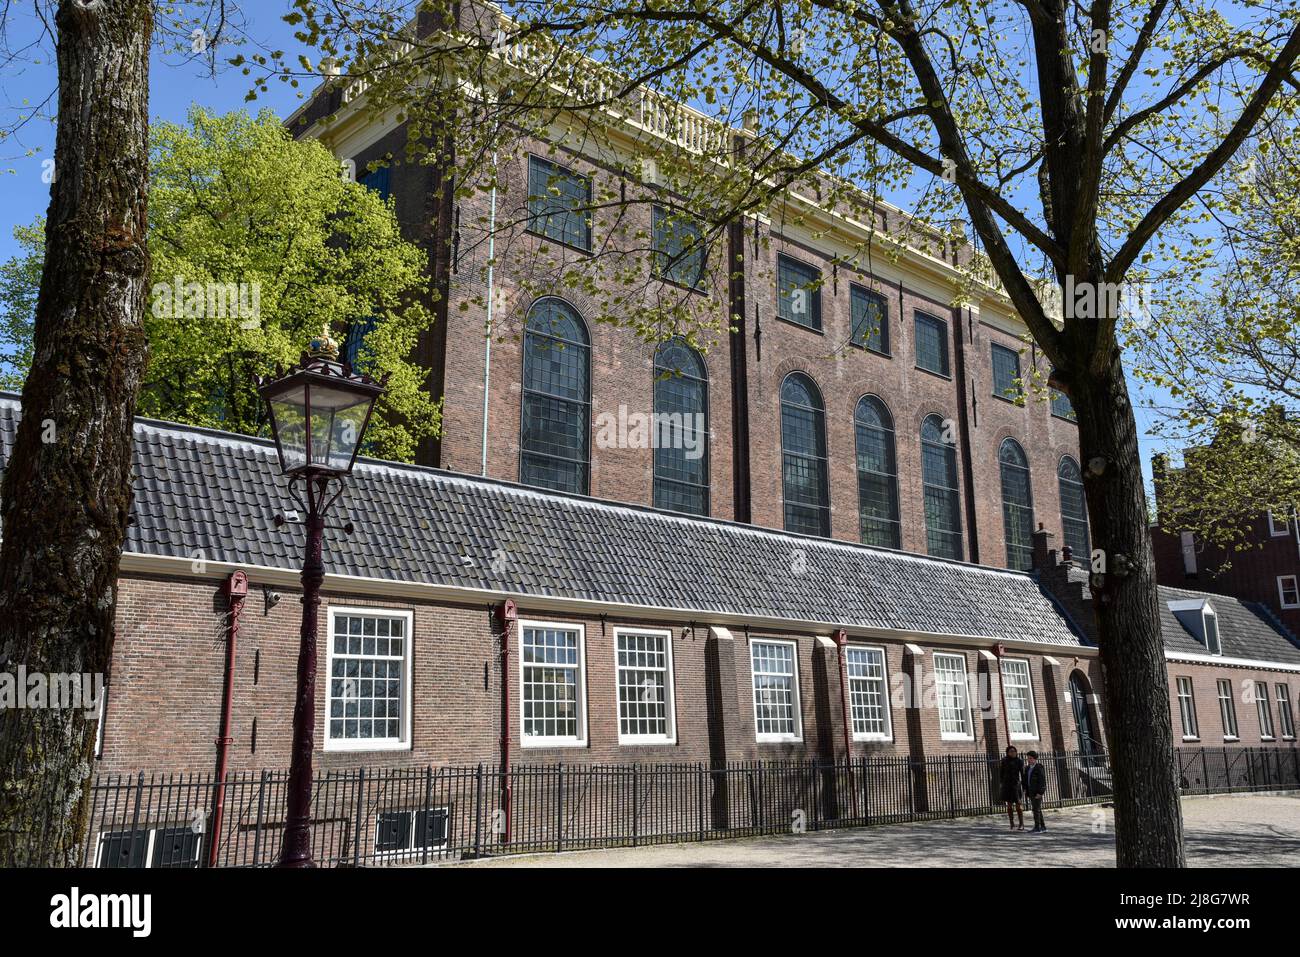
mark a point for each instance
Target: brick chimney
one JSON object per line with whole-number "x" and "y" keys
{"x": 1065, "y": 582}
{"x": 1044, "y": 557}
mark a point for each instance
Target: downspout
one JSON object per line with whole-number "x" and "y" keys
{"x": 963, "y": 423}
{"x": 998, "y": 651}
{"x": 236, "y": 589}
{"x": 842, "y": 643}
{"x": 491, "y": 297}
{"x": 507, "y": 618}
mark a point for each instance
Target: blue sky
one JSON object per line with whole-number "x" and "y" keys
{"x": 174, "y": 86}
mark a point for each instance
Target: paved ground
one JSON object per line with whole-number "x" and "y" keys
{"x": 1236, "y": 830}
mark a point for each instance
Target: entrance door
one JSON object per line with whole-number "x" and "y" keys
{"x": 1088, "y": 743}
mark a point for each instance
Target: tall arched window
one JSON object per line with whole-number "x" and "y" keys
{"x": 681, "y": 425}
{"x": 803, "y": 457}
{"x": 556, "y": 423}
{"x": 939, "y": 478}
{"x": 1074, "y": 510}
{"x": 877, "y": 474}
{"x": 1017, "y": 505}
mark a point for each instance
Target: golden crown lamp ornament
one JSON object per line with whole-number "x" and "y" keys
{"x": 323, "y": 346}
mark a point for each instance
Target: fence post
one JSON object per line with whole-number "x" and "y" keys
{"x": 356, "y": 827}
{"x": 257, "y": 827}
{"x": 428, "y": 793}
{"x": 478, "y": 810}
{"x": 559, "y": 807}
{"x": 1205, "y": 771}
{"x": 952, "y": 795}
{"x": 636, "y": 805}
{"x": 699, "y": 795}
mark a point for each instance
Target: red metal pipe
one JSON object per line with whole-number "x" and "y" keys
{"x": 842, "y": 643}
{"x": 508, "y": 618}
{"x": 236, "y": 589}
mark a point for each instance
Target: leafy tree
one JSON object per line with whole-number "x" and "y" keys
{"x": 258, "y": 240}
{"x": 1228, "y": 359}
{"x": 1074, "y": 138}
{"x": 20, "y": 281}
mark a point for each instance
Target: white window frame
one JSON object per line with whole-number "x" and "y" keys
{"x": 768, "y": 737}
{"x": 556, "y": 741}
{"x": 968, "y": 721}
{"x": 1229, "y": 710}
{"x": 1208, "y": 614}
{"x": 1029, "y": 687}
{"x": 1273, "y": 528}
{"x": 670, "y": 689}
{"x": 888, "y": 734}
{"x": 1281, "y": 591}
{"x": 1181, "y": 682}
{"x": 1264, "y": 710}
{"x": 370, "y": 744}
{"x": 1282, "y": 692}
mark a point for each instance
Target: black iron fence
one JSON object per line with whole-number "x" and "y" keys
{"x": 416, "y": 815}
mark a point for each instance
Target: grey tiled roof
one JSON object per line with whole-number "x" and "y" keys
{"x": 201, "y": 493}
{"x": 1246, "y": 629}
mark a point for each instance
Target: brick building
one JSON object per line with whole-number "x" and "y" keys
{"x": 865, "y": 391}
{"x": 1265, "y": 571}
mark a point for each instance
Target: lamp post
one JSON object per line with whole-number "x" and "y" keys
{"x": 319, "y": 411}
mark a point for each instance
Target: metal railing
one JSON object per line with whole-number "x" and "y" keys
{"x": 381, "y": 816}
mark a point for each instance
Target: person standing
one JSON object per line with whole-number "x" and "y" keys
{"x": 1011, "y": 770}
{"x": 1035, "y": 788}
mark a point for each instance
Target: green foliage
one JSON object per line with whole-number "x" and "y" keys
{"x": 256, "y": 241}
{"x": 20, "y": 282}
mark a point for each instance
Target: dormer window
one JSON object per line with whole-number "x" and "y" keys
{"x": 1211, "y": 626}
{"x": 1198, "y": 616}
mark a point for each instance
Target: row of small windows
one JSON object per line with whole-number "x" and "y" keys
{"x": 1258, "y": 690}
{"x": 558, "y": 201}
{"x": 555, "y": 448}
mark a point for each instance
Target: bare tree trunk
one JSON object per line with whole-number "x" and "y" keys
{"x": 67, "y": 484}
{"x": 1148, "y": 813}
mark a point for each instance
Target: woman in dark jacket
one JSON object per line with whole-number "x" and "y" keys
{"x": 1011, "y": 770}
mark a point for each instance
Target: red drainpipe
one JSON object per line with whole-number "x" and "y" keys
{"x": 842, "y": 642}
{"x": 999, "y": 650}
{"x": 236, "y": 590}
{"x": 507, "y": 618}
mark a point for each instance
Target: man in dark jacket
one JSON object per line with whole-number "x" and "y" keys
{"x": 1035, "y": 788}
{"x": 1011, "y": 771}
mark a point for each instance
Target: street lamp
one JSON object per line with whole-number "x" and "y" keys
{"x": 319, "y": 411}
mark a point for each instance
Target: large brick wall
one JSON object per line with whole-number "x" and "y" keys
{"x": 164, "y": 702}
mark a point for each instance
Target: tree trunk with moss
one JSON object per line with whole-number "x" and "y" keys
{"x": 67, "y": 481}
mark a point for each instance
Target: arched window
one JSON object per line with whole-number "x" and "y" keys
{"x": 803, "y": 457}
{"x": 681, "y": 429}
{"x": 939, "y": 477}
{"x": 556, "y": 423}
{"x": 877, "y": 474}
{"x": 1017, "y": 505}
{"x": 1074, "y": 510}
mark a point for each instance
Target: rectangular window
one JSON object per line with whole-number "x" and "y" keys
{"x": 869, "y": 318}
{"x": 1288, "y": 591}
{"x": 954, "y": 703}
{"x": 559, "y": 201}
{"x": 1265, "y": 711}
{"x": 776, "y": 690}
{"x": 1278, "y": 525}
{"x": 176, "y": 846}
{"x": 369, "y": 691}
{"x": 1006, "y": 373}
{"x": 799, "y": 294}
{"x": 1062, "y": 407}
{"x": 644, "y": 673}
{"x": 1019, "y": 692}
{"x": 678, "y": 248}
{"x": 931, "y": 344}
{"x": 1284, "y": 716}
{"x": 553, "y": 678}
{"x": 868, "y": 694}
{"x": 1187, "y": 709}
{"x": 1227, "y": 710}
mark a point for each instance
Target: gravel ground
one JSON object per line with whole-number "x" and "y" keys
{"x": 1232, "y": 830}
